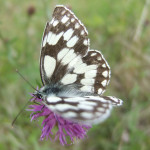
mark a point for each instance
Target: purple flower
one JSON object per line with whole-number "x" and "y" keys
{"x": 66, "y": 128}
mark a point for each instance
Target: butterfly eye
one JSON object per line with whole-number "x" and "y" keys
{"x": 38, "y": 95}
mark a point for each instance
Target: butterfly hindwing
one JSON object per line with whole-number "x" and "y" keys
{"x": 93, "y": 72}
{"x": 88, "y": 109}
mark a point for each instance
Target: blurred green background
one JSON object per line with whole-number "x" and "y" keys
{"x": 120, "y": 29}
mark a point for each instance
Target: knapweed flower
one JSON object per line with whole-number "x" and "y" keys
{"x": 66, "y": 128}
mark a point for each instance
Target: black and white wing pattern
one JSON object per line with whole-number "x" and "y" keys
{"x": 64, "y": 43}
{"x": 93, "y": 72}
{"x": 67, "y": 59}
{"x": 87, "y": 110}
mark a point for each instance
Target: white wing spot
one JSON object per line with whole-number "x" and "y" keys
{"x": 72, "y": 41}
{"x": 79, "y": 62}
{"x": 74, "y": 61}
{"x": 55, "y": 23}
{"x": 54, "y": 38}
{"x": 100, "y": 91}
{"x": 86, "y": 115}
{"x": 80, "y": 69}
{"x": 101, "y": 109}
{"x": 109, "y": 73}
{"x": 87, "y": 88}
{"x": 68, "y": 15}
{"x": 77, "y": 25}
{"x": 82, "y": 32}
{"x": 98, "y": 114}
{"x": 104, "y": 83}
{"x": 63, "y": 107}
{"x": 105, "y": 74}
{"x": 85, "y": 42}
{"x": 51, "y": 21}
{"x": 99, "y": 58}
{"x": 104, "y": 65}
{"x": 64, "y": 19}
{"x": 93, "y": 54}
{"x": 87, "y": 81}
{"x": 69, "y": 78}
{"x": 62, "y": 53}
{"x": 63, "y": 12}
{"x": 88, "y": 103}
{"x": 105, "y": 105}
{"x": 68, "y": 57}
{"x": 90, "y": 74}
{"x": 49, "y": 65}
{"x": 49, "y": 36}
{"x": 85, "y": 107}
{"x": 74, "y": 99}
{"x": 70, "y": 114}
{"x": 72, "y": 19}
{"x": 67, "y": 35}
{"x": 53, "y": 99}
{"x": 91, "y": 67}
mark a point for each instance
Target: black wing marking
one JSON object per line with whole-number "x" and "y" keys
{"x": 87, "y": 110}
{"x": 64, "y": 40}
{"x": 92, "y": 71}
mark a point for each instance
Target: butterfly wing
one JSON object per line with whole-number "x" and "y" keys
{"x": 87, "y": 110}
{"x": 65, "y": 57}
{"x": 93, "y": 72}
{"x": 64, "y": 43}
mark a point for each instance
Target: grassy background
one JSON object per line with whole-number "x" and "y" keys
{"x": 120, "y": 29}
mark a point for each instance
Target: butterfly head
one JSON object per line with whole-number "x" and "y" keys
{"x": 38, "y": 94}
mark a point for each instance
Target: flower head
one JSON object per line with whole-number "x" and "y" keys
{"x": 66, "y": 128}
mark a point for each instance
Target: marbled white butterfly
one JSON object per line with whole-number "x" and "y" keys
{"x": 74, "y": 76}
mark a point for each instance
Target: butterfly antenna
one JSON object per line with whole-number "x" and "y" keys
{"x": 20, "y": 112}
{"x": 26, "y": 80}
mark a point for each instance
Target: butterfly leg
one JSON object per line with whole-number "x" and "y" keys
{"x": 42, "y": 108}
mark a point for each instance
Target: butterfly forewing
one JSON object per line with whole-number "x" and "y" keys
{"x": 64, "y": 41}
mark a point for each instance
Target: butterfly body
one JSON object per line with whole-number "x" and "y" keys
{"x": 74, "y": 77}
{"x": 59, "y": 90}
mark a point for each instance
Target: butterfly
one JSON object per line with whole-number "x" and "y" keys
{"x": 74, "y": 76}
